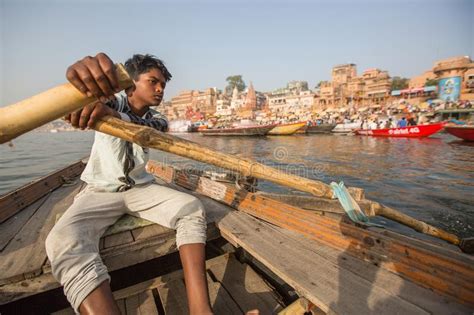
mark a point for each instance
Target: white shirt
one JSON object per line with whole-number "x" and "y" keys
{"x": 107, "y": 167}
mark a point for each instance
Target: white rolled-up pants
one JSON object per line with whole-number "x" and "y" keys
{"x": 73, "y": 243}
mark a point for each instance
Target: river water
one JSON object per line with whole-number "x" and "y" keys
{"x": 431, "y": 179}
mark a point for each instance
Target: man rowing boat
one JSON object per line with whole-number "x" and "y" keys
{"x": 118, "y": 184}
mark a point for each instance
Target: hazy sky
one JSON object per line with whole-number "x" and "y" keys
{"x": 202, "y": 42}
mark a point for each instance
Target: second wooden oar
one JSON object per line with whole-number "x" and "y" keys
{"x": 151, "y": 138}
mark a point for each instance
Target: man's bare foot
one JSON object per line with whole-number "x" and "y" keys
{"x": 253, "y": 312}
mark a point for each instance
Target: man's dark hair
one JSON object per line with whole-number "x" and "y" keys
{"x": 139, "y": 64}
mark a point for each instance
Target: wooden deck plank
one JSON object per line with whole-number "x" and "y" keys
{"x": 221, "y": 301}
{"x": 118, "y": 239}
{"x": 174, "y": 301}
{"x": 173, "y": 297}
{"x": 380, "y": 278}
{"x": 22, "y": 197}
{"x": 25, "y": 255}
{"x": 330, "y": 287}
{"x": 13, "y": 225}
{"x": 246, "y": 287}
{"x": 159, "y": 281}
{"x": 132, "y": 305}
{"x": 121, "y": 306}
{"x": 147, "y": 303}
{"x": 146, "y": 232}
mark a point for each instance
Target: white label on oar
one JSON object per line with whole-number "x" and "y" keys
{"x": 212, "y": 189}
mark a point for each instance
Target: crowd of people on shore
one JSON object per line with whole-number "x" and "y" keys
{"x": 397, "y": 115}
{"x": 401, "y": 116}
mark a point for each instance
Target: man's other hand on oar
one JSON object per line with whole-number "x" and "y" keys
{"x": 90, "y": 114}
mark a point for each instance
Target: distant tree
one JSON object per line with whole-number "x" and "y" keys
{"x": 319, "y": 84}
{"x": 234, "y": 81}
{"x": 399, "y": 83}
{"x": 431, "y": 82}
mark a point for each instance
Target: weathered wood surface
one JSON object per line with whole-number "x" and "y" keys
{"x": 25, "y": 254}
{"x": 234, "y": 288}
{"x": 333, "y": 280}
{"x": 446, "y": 271}
{"x": 131, "y": 241}
{"x": 301, "y": 306}
{"x": 11, "y": 226}
{"x": 15, "y": 201}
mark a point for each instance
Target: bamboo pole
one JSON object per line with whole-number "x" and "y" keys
{"x": 151, "y": 138}
{"x": 52, "y": 104}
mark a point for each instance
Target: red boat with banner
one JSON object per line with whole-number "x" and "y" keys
{"x": 417, "y": 131}
{"x": 463, "y": 132}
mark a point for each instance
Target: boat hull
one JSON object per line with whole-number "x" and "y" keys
{"x": 418, "y": 131}
{"x": 242, "y": 131}
{"x": 286, "y": 129}
{"x": 345, "y": 128}
{"x": 465, "y": 133}
{"x": 323, "y": 128}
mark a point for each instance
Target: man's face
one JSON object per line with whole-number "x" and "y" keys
{"x": 149, "y": 87}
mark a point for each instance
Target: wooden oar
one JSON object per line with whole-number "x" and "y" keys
{"x": 57, "y": 102}
{"x": 52, "y": 104}
{"x": 151, "y": 138}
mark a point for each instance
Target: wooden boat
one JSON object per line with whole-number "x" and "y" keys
{"x": 238, "y": 131}
{"x": 322, "y": 128}
{"x": 317, "y": 263}
{"x": 195, "y": 127}
{"x": 344, "y": 128}
{"x": 406, "y": 132}
{"x": 286, "y": 129}
{"x": 179, "y": 126}
{"x": 274, "y": 253}
{"x": 464, "y": 132}
{"x": 302, "y": 130}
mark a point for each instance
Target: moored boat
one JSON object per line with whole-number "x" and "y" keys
{"x": 417, "y": 131}
{"x": 345, "y": 128}
{"x": 238, "y": 131}
{"x": 465, "y": 132}
{"x": 196, "y": 126}
{"x": 286, "y": 129}
{"x": 322, "y": 128}
{"x": 179, "y": 126}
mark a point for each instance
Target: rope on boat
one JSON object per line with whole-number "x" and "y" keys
{"x": 349, "y": 205}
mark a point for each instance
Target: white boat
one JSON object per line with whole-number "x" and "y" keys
{"x": 179, "y": 125}
{"x": 346, "y": 127}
